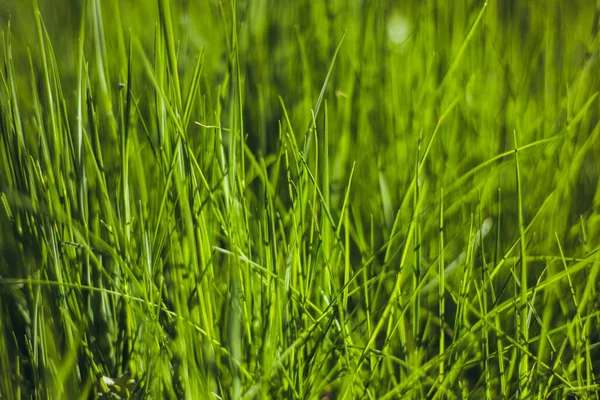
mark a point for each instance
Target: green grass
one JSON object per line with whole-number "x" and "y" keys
{"x": 314, "y": 199}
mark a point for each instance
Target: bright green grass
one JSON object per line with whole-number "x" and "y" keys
{"x": 309, "y": 199}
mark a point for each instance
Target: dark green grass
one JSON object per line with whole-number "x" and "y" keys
{"x": 315, "y": 199}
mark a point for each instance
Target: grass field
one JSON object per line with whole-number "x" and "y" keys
{"x": 299, "y": 200}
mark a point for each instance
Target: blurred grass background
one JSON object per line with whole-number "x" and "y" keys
{"x": 208, "y": 199}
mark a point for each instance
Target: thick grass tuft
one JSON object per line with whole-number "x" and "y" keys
{"x": 310, "y": 199}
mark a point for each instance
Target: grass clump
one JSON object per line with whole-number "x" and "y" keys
{"x": 306, "y": 200}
